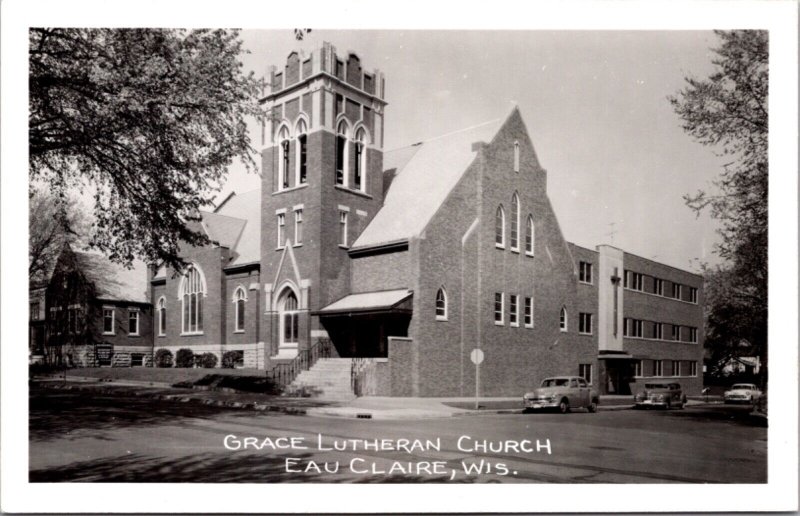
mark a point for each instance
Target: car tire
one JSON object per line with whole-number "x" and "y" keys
{"x": 592, "y": 406}
{"x": 527, "y": 410}
{"x": 668, "y": 405}
{"x": 563, "y": 406}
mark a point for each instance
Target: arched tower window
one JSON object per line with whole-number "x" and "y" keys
{"x": 516, "y": 156}
{"x": 500, "y": 227}
{"x": 360, "y": 161}
{"x": 301, "y": 159}
{"x": 515, "y": 223}
{"x": 283, "y": 158}
{"x": 288, "y": 313}
{"x": 342, "y": 159}
{"x": 239, "y": 299}
{"x": 162, "y": 316}
{"x": 529, "y": 236}
{"x": 441, "y": 304}
{"x": 193, "y": 289}
{"x": 562, "y": 322}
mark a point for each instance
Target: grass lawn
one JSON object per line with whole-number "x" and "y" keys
{"x": 169, "y": 375}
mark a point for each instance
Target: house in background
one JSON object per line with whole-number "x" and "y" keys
{"x": 91, "y": 312}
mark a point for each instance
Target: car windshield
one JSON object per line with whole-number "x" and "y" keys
{"x": 656, "y": 386}
{"x": 742, "y": 386}
{"x": 555, "y": 382}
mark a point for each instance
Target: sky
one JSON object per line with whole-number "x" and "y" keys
{"x": 595, "y": 104}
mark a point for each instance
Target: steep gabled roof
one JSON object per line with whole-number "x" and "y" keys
{"x": 113, "y": 282}
{"x": 247, "y": 208}
{"x": 426, "y": 173}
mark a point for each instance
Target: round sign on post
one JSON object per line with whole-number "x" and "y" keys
{"x": 476, "y": 356}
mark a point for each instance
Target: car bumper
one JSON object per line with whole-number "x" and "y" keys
{"x": 540, "y": 404}
{"x": 738, "y": 399}
{"x": 650, "y": 403}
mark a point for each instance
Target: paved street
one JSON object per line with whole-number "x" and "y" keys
{"x": 75, "y": 437}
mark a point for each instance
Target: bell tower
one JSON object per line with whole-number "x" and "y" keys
{"x": 321, "y": 184}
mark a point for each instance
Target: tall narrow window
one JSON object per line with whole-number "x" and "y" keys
{"x": 360, "y": 161}
{"x": 585, "y": 323}
{"x": 239, "y": 298}
{"x": 585, "y": 372}
{"x": 658, "y": 367}
{"x": 693, "y": 368}
{"x": 281, "y": 229}
{"x": 298, "y": 227}
{"x": 658, "y": 286}
{"x": 302, "y": 153}
{"x": 513, "y": 314}
{"x": 498, "y": 308}
{"x": 192, "y": 293}
{"x": 288, "y": 318}
{"x": 529, "y": 236}
{"x": 133, "y": 321}
{"x": 658, "y": 331}
{"x": 585, "y": 272}
{"x": 162, "y": 317}
{"x": 637, "y": 368}
{"x": 562, "y": 321}
{"x": 500, "y": 227}
{"x": 516, "y": 156}
{"x": 515, "y": 223}
{"x": 343, "y": 228}
{"x": 441, "y": 305}
{"x": 283, "y": 158}
{"x": 108, "y": 321}
{"x": 676, "y": 332}
{"x": 676, "y": 368}
{"x": 693, "y": 335}
{"x": 341, "y": 154}
{"x": 529, "y": 312}
{"x": 692, "y": 295}
{"x": 676, "y": 290}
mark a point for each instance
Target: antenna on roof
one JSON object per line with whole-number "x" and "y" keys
{"x": 612, "y": 232}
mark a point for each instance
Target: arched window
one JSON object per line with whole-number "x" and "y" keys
{"x": 500, "y": 227}
{"x": 283, "y": 158}
{"x": 162, "y": 316}
{"x": 342, "y": 132}
{"x": 516, "y": 156}
{"x": 301, "y": 159}
{"x": 193, "y": 289}
{"x": 441, "y": 304}
{"x": 239, "y": 298}
{"x": 288, "y": 313}
{"x": 562, "y": 322}
{"x": 515, "y": 223}
{"x": 360, "y": 161}
{"x": 529, "y": 236}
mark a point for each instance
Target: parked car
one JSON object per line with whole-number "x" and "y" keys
{"x": 742, "y": 393}
{"x": 660, "y": 394}
{"x": 563, "y": 393}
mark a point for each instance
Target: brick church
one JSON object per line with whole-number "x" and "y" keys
{"x": 404, "y": 261}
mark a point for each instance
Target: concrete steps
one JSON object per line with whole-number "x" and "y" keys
{"x": 328, "y": 379}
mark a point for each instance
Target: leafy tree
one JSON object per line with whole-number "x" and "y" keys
{"x": 728, "y": 111}
{"x": 151, "y": 118}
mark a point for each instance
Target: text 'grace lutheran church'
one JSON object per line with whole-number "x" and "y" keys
{"x": 398, "y": 264}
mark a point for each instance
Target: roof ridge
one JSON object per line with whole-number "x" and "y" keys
{"x": 451, "y": 133}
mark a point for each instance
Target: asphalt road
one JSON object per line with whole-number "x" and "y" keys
{"x": 75, "y": 437}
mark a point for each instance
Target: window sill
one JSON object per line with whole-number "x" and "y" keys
{"x": 162, "y": 335}
{"x": 585, "y": 282}
{"x": 514, "y": 325}
{"x": 499, "y": 323}
{"x": 134, "y": 335}
{"x": 659, "y": 340}
{"x": 280, "y": 248}
{"x": 529, "y": 326}
{"x": 238, "y": 331}
{"x": 584, "y": 333}
{"x": 298, "y": 245}
{"x": 193, "y": 334}
{"x": 350, "y": 190}
{"x": 528, "y": 254}
{"x": 562, "y": 330}
{"x": 661, "y": 296}
{"x": 514, "y": 250}
{"x": 499, "y": 246}
{"x": 344, "y": 246}
{"x": 440, "y": 318}
{"x": 292, "y": 189}
{"x": 109, "y": 334}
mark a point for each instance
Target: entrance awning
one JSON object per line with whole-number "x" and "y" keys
{"x": 370, "y": 302}
{"x": 615, "y": 356}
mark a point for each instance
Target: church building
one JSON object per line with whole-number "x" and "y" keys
{"x": 400, "y": 263}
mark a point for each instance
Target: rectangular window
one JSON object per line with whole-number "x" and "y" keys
{"x": 637, "y": 368}
{"x": 676, "y": 332}
{"x": 632, "y": 327}
{"x": 343, "y": 228}
{"x": 498, "y": 308}
{"x": 108, "y": 321}
{"x": 634, "y": 281}
{"x": 137, "y": 359}
{"x": 34, "y": 312}
{"x": 302, "y": 141}
{"x": 692, "y": 295}
{"x": 72, "y": 320}
{"x": 676, "y": 290}
{"x": 693, "y": 368}
{"x": 693, "y": 335}
{"x": 281, "y": 229}
{"x": 585, "y": 372}
{"x": 133, "y": 322}
{"x": 658, "y": 287}
{"x": 341, "y": 143}
{"x": 658, "y": 367}
{"x": 676, "y": 368}
{"x": 513, "y": 314}
{"x": 298, "y": 227}
{"x": 585, "y": 272}
{"x": 658, "y": 331}
{"x": 585, "y": 323}
{"x": 529, "y": 312}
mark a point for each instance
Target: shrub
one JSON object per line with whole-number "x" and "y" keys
{"x": 230, "y": 359}
{"x": 163, "y": 358}
{"x": 184, "y": 358}
{"x": 206, "y": 360}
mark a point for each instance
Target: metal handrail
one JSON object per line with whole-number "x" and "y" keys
{"x": 284, "y": 374}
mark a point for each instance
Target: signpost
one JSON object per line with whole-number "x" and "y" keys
{"x": 477, "y": 357}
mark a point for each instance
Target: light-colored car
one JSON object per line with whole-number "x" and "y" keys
{"x": 563, "y": 393}
{"x": 660, "y": 394}
{"x": 742, "y": 393}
